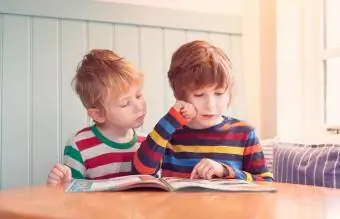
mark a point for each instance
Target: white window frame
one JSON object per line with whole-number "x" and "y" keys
{"x": 328, "y": 52}
{"x": 315, "y": 55}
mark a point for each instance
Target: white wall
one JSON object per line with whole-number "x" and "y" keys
{"x": 259, "y": 49}
{"x": 289, "y": 69}
{"x": 232, "y": 7}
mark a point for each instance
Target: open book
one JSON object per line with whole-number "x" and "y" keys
{"x": 167, "y": 184}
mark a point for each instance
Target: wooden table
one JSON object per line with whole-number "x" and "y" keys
{"x": 291, "y": 201}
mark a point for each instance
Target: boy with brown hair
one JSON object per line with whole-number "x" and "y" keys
{"x": 110, "y": 90}
{"x": 194, "y": 139}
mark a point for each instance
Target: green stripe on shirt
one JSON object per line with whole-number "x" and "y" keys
{"x": 72, "y": 152}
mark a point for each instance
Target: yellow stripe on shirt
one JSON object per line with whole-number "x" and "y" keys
{"x": 158, "y": 139}
{"x": 266, "y": 174}
{"x": 207, "y": 149}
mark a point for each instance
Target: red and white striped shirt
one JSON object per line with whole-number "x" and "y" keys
{"x": 90, "y": 155}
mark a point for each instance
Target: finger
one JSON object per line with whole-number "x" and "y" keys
{"x": 183, "y": 111}
{"x": 58, "y": 172}
{"x": 185, "y": 115}
{"x": 62, "y": 168}
{"x": 188, "y": 107}
{"x": 199, "y": 167}
{"x": 52, "y": 182}
{"x": 53, "y": 176}
{"x": 194, "y": 172}
{"x": 191, "y": 115}
{"x": 204, "y": 170}
{"x": 66, "y": 170}
{"x": 178, "y": 106}
{"x": 185, "y": 107}
{"x": 210, "y": 173}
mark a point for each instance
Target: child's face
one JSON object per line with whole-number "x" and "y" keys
{"x": 126, "y": 111}
{"x": 210, "y": 104}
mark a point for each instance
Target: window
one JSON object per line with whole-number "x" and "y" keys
{"x": 308, "y": 70}
{"x": 331, "y": 62}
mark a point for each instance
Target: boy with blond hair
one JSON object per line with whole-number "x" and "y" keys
{"x": 110, "y": 90}
{"x": 194, "y": 139}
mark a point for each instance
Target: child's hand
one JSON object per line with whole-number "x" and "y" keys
{"x": 59, "y": 175}
{"x": 206, "y": 169}
{"x": 187, "y": 110}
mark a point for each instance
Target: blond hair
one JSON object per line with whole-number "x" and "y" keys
{"x": 101, "y": 73}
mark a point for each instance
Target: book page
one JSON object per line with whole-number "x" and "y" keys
{"x": 178, "y": 183}
{"x": 118, "y": 183}
{"x": 216, "y": 184}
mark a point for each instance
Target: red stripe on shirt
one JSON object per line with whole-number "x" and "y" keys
{"x": 108, "y": 159}
{"x": 87, "y": 143}
{"x": 212, "y": 136}
{"x": 140, "y": 139}
{"x": 257, "y": 163}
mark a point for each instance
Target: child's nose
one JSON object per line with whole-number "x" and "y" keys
{"x": 139, "y": 106}
{"x": 210, "y": 103}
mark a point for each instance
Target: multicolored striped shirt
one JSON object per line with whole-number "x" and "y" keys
{"x": 90, "y": 155}
{"x": 176, "y": 149}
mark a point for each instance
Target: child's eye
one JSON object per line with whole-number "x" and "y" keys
{"x": 219, "y": 93}
{"x": 139, "y": 96}
{"x": 198, "y": 95}
{"x": 125, "y": 104}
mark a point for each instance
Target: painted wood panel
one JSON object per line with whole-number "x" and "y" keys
{"x": 238, "y": 102}
{"x": 192, "y": 35}
{"x": 1, "y": 98}
{"x": 72, "y": 48}
{"x": 127, "y": 42}
{"x": 39, "y": 53}
{"x": 45, "y": 97}
{"x": 16, "y": 102}
{"x": 152, "y": 64}
{"x": 100, "y": 35}
{"x": 125, "y": 14}
{"x": 173, "y": 39}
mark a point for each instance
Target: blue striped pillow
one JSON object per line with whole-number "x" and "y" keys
{"x": 310, "y": 164}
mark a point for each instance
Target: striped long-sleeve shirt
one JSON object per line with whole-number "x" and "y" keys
{"x": 176, "y": 149}
{"x": 90, "y": 155}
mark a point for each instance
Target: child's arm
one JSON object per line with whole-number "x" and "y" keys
{"x": 254, "y": 164}
{"x": 148, "y": 158}
{"x": 254, "y": 167}
{"x": 74, "y": 160}
{"x": 72, "y": 167}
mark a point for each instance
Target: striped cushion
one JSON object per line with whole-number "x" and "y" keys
{"x": 316, "y": 164}
{"x": 267, "y": 147}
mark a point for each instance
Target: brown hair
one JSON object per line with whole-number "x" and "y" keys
{"x": 101, "y": 73}
{"x": 199, "y": 64}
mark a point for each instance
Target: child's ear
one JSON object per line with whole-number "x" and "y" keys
{"x": 96, "y": 115}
